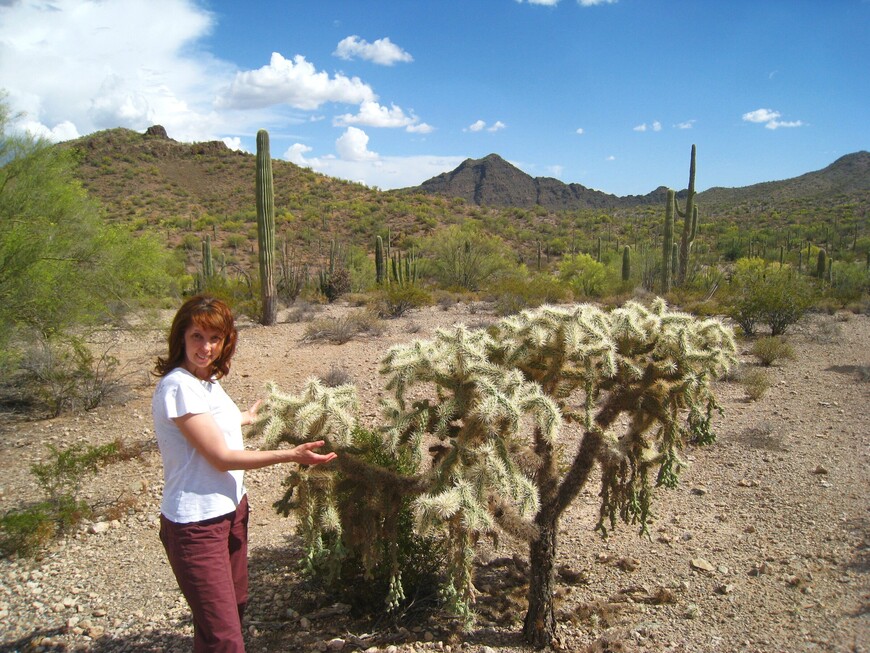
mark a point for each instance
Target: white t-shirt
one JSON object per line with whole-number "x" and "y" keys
{"x": 193, "y": 490}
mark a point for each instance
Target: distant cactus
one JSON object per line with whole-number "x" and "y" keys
{"x": 380, "y": 262}
{"x": 690, "y": 224}
{"x": 821, "y": 264}
{"x": 475, "y": 404}
{"x": 266, "y": 229}
{"x": 626, "y": 263}
{"x": 668, "y": 243}
{"x": 207, "y": 260}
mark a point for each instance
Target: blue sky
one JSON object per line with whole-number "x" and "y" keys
{"x": 610, "y": 94}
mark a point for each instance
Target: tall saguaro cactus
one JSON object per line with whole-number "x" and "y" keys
{"x": 668, "y": 243}
{"x": 690, "y": 224}
{"x": 266, "y": 229}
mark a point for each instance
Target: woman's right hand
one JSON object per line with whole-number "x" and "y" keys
{"x": 304, "y": 454}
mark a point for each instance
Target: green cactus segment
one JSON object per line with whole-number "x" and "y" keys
{"x": 821, "y": 264}
{"x": 668, "y": 242}
{"x": 266, "y": 229}
{"x": 380, "y": 262}
{"x": 690, "y": 225}
{"x": 207, "y": 260}
{"x": 626, "y": 263}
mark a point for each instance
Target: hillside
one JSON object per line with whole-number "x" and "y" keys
{"x": 186, "y": 191}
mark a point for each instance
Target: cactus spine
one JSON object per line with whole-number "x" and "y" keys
{"x": 266, "y": 229}
{"x": 626, "y": 263}
{"x": 668, "y": 242}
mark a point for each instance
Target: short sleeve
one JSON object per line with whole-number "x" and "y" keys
{"x": 180, "y": 399}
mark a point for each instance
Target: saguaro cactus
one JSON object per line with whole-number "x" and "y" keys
{"x": 380, "y": 262}
{"x": 207, "y": 260}
{"x": 668, "y": 243}
{"x": 690, "y": 224}
{"x": 266, "y": 229}
{"x": 626, "y": 263}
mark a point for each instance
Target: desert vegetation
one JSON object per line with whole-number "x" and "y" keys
{"x": 614, "y": 326}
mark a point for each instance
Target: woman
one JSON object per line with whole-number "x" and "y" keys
{"x": 204, "y": 512}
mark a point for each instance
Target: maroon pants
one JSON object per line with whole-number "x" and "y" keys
{"x": 210, "y": 563}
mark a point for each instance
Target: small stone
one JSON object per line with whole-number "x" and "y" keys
{"x": 701, "y": 565}
{"x": 820, "y": 469}
{"x": 727, "y": 588}
{"x": 304, "y": 623}
{"x": 700, "y": 491}
{"x": 335, "y": 644}
{"x": 99, "y": 527}
{"x": 99, "y": 612}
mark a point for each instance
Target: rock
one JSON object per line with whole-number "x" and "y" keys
{"x": 701, "y": 565}
{"x": 99, "y": 527}
{"x": 820, "y": 469}
{"x": 335, "y": 644}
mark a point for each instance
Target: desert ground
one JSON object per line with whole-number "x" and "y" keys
{"x": 764, "y": 546}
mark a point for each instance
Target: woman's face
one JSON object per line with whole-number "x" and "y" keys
{"x": 202, "y": 346}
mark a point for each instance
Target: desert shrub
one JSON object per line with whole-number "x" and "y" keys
{"x": 755, "y": 383}
{"x": 336, "y": 376}
{"x": 586, "y": 276}
{"x": 303, "y": 311}
{"x": 517, "y": 292}
{"x": 466, "y": 257}
{"x": 27, "y": 531}
{"x": 60, "y": 374}
{"x": 767, "y": 294}
{"x": 339, "y": 330}
{"x": 334, "y": 284}
{"x": 395, "y": 300}
{"x": 768, "y": 350}
{"x": 849, "y": 282}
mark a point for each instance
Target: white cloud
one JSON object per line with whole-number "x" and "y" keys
{"x": 770, "y": 119}
{"x": 233, "y": 142}
{"x": 555, "y": 170}
{"x": 296, "y": 154}
{"x": 296, "y": 83}
{"x": 546, "y": 3}
{"x": 686, "y": 124}
{"x": 593, "y": 3}
{"x": 63, "y": 131}
{"x": 610, "y": 158}
{"x": 656, "y": 126}
{"x": 478, "y": 125}
{"x": 382, "y": 51}
{"x": 97, "y": 65}
{"x": 580, "y": 131}
{"x": 352, "y": 145}
{"x": 640, "y": 128}
{"x": 372, "y": 114}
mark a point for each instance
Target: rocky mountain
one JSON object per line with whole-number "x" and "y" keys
{"x": 492, "y": 181}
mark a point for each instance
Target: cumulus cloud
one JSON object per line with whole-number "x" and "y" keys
{"x": 656, "y": 126}
{"x": 296, "y": 154}
{"x": 352, "y": 145}
{"x": 372, "y": 114}
{"x": 546, "y": 3}
{"x": 296, "y": 83}
{"x": 593, "y": 3}
{"x": 580, "y": 131}
{"x": 770, "y": 119}
{"x": 382, "y": 51}
{"x": 480, "y": 125}
{"x": 686, "y": 124}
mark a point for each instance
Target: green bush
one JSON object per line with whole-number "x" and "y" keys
{"x": 27, "y": 531}
{"x": 586, "y": 276}
{"x": 466, "y": 257}
{"x": 755, "y": 383}
{"x": 517, "y": 292}
{"x": 770, "y": 349}
{"x": 395, "y": 300}
{"x": 767, "y": 294}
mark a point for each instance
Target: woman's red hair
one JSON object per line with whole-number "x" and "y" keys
{"x": 207, "y": 313}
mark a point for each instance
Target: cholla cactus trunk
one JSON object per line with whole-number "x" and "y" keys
{"x": 266, "y": 229}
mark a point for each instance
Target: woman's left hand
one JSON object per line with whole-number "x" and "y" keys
{"x": 304, "y": 454}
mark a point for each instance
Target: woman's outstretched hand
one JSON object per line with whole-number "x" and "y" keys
{"x": 250, "y": 415}
{"x": 304, "y": 454}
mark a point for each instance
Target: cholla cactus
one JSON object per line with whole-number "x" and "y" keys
{"x": 498, "y": 412}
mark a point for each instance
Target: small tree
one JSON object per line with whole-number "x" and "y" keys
{"x": 768, "y": 294}
{"x": 489, "y": 415}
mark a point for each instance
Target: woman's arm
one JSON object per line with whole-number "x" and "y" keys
{"x": 203, "y": 433}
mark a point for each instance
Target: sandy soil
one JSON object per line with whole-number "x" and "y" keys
{"x": 764, "y": 546}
